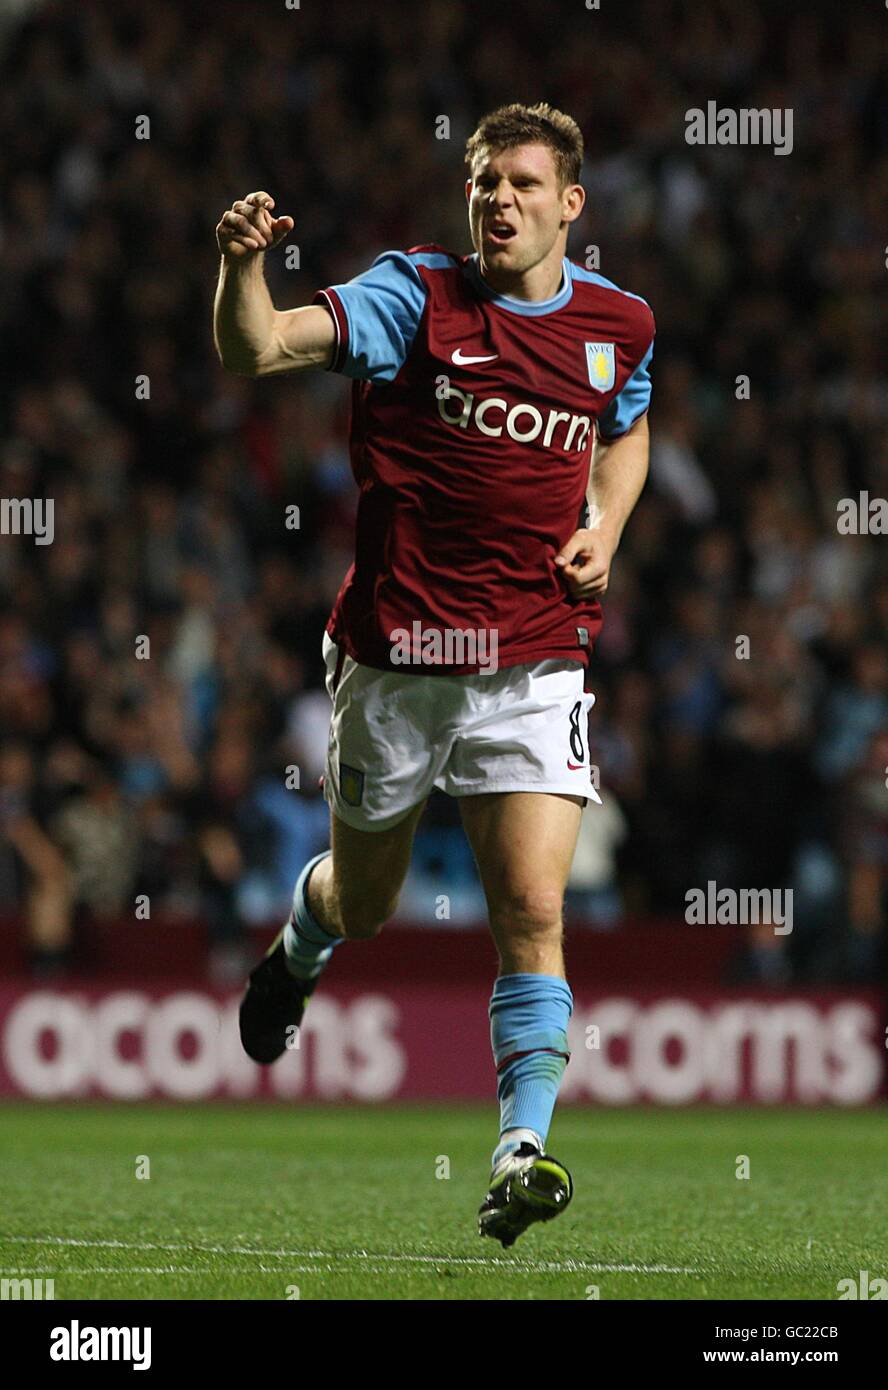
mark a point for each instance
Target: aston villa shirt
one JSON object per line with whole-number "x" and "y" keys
{"x": 473, "y": 420}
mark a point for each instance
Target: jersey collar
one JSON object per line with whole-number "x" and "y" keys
{"x": 528, "y": 308}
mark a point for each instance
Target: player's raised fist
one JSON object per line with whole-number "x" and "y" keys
{"x": 249, "y": 227}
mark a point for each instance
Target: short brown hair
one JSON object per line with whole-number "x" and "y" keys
{"x": 541, "y": 124}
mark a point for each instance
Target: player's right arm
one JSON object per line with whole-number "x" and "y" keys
{"x": 252, "y": 337}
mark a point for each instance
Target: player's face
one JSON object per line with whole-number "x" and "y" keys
{"x": 518, "y": 211}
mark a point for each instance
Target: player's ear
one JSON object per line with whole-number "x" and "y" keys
{"x": 573, "y": 200}
{"x": 468, "y": 190}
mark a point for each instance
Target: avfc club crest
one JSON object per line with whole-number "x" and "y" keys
{"x": 351, "y": 784}
{"x": 602, "y": 364}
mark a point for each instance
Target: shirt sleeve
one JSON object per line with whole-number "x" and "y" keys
{"x": 376, "y": 316}
{"x": 630, "y": 404}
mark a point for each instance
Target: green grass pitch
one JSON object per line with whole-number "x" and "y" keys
{"x": 346, "y": 1203}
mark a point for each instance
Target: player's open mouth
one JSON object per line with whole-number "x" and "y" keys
{"x": 500, "y": 232}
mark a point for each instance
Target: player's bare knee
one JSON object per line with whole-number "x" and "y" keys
{"x": 530, "y": 912}
{"x": 361, "y": 921}
{"x": 356, "y": 928}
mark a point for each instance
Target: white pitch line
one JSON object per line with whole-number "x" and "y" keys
{"x": 119, "y": 1269}
{"x": 174, "y": 1269}
{"x": 536, "y": 1266}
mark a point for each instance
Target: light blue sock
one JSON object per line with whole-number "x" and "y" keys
{"x": 529, "y": 1015}
{"x": 307, "y": 945}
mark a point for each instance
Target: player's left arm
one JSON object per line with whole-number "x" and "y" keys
{"x": 616, "y": 478}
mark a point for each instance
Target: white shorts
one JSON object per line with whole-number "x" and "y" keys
{"x": 393, "y": 738}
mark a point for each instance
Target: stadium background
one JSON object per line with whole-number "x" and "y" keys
{"x": 127, "y": 780}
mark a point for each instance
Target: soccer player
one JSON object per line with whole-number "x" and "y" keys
{"x": 499, "y": 440}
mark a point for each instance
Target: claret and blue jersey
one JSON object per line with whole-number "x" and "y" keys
{"x": 473, "y": 420}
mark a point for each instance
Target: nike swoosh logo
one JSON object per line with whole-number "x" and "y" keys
{"x": 575, "y": 767}
{"x": 462, "y": 361}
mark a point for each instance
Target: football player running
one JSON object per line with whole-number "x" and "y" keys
{"x": 499, "y": 439}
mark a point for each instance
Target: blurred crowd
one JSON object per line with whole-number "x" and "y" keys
{"x": 160, "y": 672}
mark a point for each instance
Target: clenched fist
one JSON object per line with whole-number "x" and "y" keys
{"x": 585, "y": 562}
{"x": 248, "y": 227}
